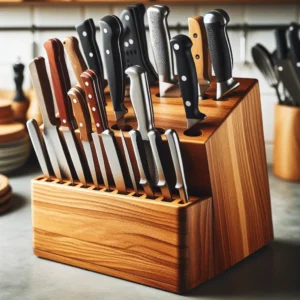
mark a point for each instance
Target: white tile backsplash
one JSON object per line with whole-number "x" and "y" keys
{"x": 13, "y": 16}
{"x": 97, "y": 12}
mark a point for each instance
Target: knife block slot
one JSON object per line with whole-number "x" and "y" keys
{"x": 173, "y": 246}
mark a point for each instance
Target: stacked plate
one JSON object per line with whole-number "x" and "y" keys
{"x": 5, "y": 194}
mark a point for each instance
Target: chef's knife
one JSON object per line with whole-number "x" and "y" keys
{"x": 39, "y": 147}
{"x": 200, "y": 53}
{"x": 111, "y": 31}
{"x": 77, "y": 98}
{"x": 57, "y": 154}
{"x": 61, "y": 86}
{"x": 220, "y": 50}
{"x": 293, "y": 37}
{"x": 160, "y": 41}
{"x": 181, "y": 44}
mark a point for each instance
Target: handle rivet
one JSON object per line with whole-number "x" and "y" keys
{"x": 130, "y": 41}
{"x": 86, "y": 83}
{"x": 195, "y": 35}
{"x": 298, "y": 64}
{"x": 176, "y": 46}
{"x": 105, "y": 30}
{"x": 291, "y": 28}
{"x": 74, "y": 100}
{"x": 90, "y": 96}
{"x": 126, "y": 17}
{"x": 64, "y": 121}
{"x": 98, "y": 125}
{"x": 93, "y": 109}
{"x": 80, "y": 124}
{"x": 183, "y": 78}
{"x": 197, "y": 56}
{"x": 126, "y": 44}
{"x": 91, "y": 54}
{"x": 107, "y": 51}
{"x": 188, "y": 103}
{"x": 84, "y": 33}
{"x": 280, "y": 68}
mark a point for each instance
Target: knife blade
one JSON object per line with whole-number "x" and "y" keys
{"x": 181, "y": 44}
{"x": 174, "y": 146}
{"x": 57, "y": 154}
{"x": 39, "y": 148}
{"x": 61, "y": 86}
{"x": 160, "y": 42}
{"x": 200, "y": 53}
{"x": 77, "y": 98}
{"x": 111, "y": 31}
{"x": 220, "y": 50}
{"x": 293, "y": 38}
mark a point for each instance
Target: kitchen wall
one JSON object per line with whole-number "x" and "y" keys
{"x": 16, "y": 44}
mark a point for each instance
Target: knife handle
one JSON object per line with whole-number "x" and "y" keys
{"x": 187, "y": 75}
{"x": 81, "y": 112}
{"x": 281, "y": 43}
{"x": 60, "y": 80}
{"x": 141, "y": 99}
{"x": 71, "y": 46}
{"x": 218, "y": 43}
{"x": 41, "y": 85}
{"x": 293, "y": 37}
{"x": 94, "y": 96}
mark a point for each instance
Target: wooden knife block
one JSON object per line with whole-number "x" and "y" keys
{"x": 170, "y": 245}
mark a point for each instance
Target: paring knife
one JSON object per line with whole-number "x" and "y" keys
{"x": 187, "y": 76}
{"x": 57, "y": 154}
{"x": 92, "y": 90}
{"x": 77, "y": 98}
{"x": 160, "y": 41}
{"x": 174, "y": 145}
{"x": 220, "y": 50}
{"x": 39, "y": 147}
{"x": 197, "y": 33}
{"x": 111, "y": 31}
{"x": 293, "y": 37}
{"x": 61, "y": 86}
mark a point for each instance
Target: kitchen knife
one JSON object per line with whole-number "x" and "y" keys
{"x": 82, "y": 115}
{"x": 71, "y": 46}
{"x": 111, "y": 31}
{"x": 39, "y": 147}
{"x": 220, "y": 50}
{"x": 160, "y": 41}
{"x": 92, "y": 90}
{"x": 61, "y": 86}
{"x": 197, "y": 33}
{"x": 57, "y": 154}
{"x": 174, "y": 145}
{"x": 293, "y": 37}
{"x": 181, "y": 44}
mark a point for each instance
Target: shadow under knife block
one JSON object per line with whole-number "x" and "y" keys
{"x": 170, "y": 245}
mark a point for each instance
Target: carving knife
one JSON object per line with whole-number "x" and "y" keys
{"x": 61, "y": 86}
{"x": 56, "y": 151}
{"x": 92, "y": 89}
{"x": 293, "y": 37}
{"x": 174, "y": 145}
{"x": 111, "y": 31}
{"x": 39, "y": 147}
{"x": 160, "y": 42}
{"x": 77, "y": 98}
{"x": 220, "y": 50}
{"x": 197, "y": 33}
{"x": 181, "y": 44}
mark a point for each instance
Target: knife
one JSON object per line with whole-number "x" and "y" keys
{"x": 181, "y": 44}
{"x": 92, "y": 90}
{"x": 61, "y": 86}
{"x": 197, "y": 33}
{"x": 220, "y": 50}
{"x": 111, "y": 31}
{"x": 174, "y": 145}
{"x": 293, "y": 37}
{"x": 71, "y": 46}
{"x": 160, "y": 41}
{"x": 57, "y": 154}
{"x": 39, "y": 147}
{"x": 82, "y": 115}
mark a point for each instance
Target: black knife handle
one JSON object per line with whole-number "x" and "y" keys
{"x": 281, "y": 43}
{"x": 187, "y": 75}
{"x": 218, "y": 43}
{"x": 293, "y": 37}
{"x": 111, "y": 31}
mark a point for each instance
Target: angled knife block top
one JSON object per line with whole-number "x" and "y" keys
{"x": 170, "y": 245}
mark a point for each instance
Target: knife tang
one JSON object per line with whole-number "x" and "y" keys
{"x": 187, "y": 77}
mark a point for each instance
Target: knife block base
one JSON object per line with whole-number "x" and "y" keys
{"x": 171, "y": 246}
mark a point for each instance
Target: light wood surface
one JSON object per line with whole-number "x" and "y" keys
{"x": 286, "y": 158}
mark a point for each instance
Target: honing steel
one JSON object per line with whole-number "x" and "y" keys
{"x": 293, "y": 38}
{"x": 54, "y": 145}
{"x": 220, "y": 50}
{"x": 160, "y": 42}
{"x": 61, "y": 86}
{"x": 82, "y": 115}
{"x": 197, "y": 33}
{"x": 78, "y": 64}
{"x": 39, "y": 147}
{"x": 187, "y": 76}
{"x": 111, "y": 31}
{"x": 174, "y": 146}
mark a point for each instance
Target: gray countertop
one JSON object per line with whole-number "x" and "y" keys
{"x": 271, "y": 273}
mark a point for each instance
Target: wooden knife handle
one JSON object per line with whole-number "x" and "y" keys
{"x": 60, "y": 80}
{"x": 81, "y": 112}
{"x": 200, "y": 52}
{"x": 71, "y": 46}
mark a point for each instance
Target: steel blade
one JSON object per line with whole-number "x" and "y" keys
{"x": 90, "y": 160}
